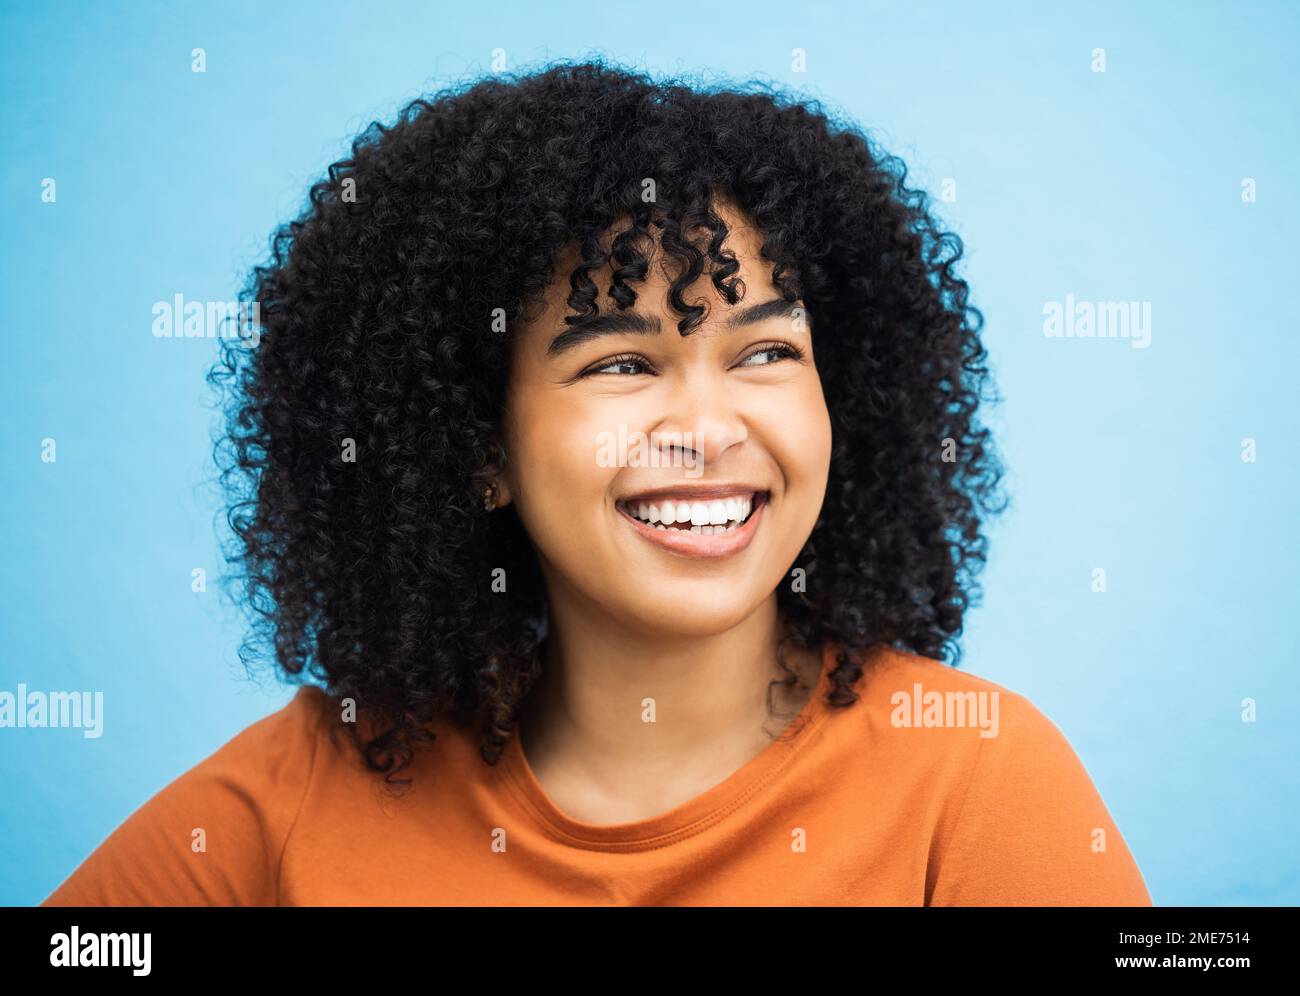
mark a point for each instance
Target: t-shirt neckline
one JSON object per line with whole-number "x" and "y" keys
{"x": 686, "y": 819}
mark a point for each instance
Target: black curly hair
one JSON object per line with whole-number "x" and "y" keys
{"x": 380, "y": 323}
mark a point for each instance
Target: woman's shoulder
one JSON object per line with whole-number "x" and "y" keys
{"x": 1018, "y": 820}
{"x": 272, "y": 760}
{"x": 938, "y": 715}
{"x": 213, "y": 835}
{"x": 906, "y": 691}
{"x": 287, "y": 733}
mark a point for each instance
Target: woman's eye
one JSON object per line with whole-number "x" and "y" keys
{"x": 630, "y": 366}
{"x": 617, "y": 362}
{"x": 780, "y": 351}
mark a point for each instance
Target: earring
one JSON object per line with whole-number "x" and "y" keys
{"x": 490, "y": 498}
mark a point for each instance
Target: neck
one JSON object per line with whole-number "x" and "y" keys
{"x": 616, "y": 702}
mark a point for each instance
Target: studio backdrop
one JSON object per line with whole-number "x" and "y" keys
{"x": 1122, "y": 176}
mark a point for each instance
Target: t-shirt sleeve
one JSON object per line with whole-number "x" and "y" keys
{"x": 1031, "y": 829}
{"x": 213, "y": 836}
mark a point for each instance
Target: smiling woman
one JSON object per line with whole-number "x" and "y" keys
{"x": 743, "y": 383}
{"x": 665, "y": 677}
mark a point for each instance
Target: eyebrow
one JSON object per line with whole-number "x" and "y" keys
{"x": 634, "y": 323}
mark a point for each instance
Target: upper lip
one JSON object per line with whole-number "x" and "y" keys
{"x": 697, "y": 492}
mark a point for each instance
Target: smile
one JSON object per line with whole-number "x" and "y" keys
{"x": 716, "y": 527}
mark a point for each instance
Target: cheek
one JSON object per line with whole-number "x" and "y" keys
{"x": 801, "y": 439}
{"x": 557, "y": 467}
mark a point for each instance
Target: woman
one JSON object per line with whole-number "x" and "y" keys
{"x": 634, "y": 588}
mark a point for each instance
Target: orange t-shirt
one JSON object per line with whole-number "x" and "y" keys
{"x": 870, "y": 805}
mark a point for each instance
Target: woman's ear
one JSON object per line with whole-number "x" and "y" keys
{"x": 501, "y": 493}
{"x": 494, "y": 485}
{"x": 496, "y": 490}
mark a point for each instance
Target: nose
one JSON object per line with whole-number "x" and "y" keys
{"x": 701, "y": 417}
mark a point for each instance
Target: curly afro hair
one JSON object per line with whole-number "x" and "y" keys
{"x": 381, "y": 329}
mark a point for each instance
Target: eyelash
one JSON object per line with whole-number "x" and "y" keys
{"x": 788, "y": 350}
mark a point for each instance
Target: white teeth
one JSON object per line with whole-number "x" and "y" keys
{"x": 707, "y": 518}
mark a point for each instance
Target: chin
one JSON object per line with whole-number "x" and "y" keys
{"x": 697, "y": 612}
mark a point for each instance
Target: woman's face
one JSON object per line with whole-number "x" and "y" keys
{"x": 613, "y": 424}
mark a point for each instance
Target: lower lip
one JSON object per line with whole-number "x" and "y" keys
{"x": 689, "y": 544}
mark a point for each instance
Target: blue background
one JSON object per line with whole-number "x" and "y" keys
{"x": 1123, "y": 185}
